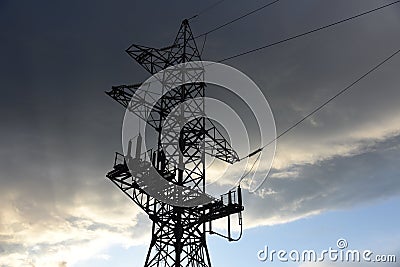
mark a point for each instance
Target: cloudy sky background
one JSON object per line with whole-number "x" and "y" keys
{"x": 336, "y": 175}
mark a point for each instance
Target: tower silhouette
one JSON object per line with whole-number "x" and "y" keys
{"x": 178, "y": 232}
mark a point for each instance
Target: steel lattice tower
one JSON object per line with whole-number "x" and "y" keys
{"x": 178, "y": 233}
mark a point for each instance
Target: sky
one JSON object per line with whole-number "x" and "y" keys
{"x": 335, "y": 176}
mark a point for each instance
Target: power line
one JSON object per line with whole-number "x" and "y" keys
{"x": 292, "y": 38}
{"x": 236, "y": 19}
{"x": 307, "y": 33}
{"x": 295, "y": 36}
{"x": 206, "y": 9}
{"x": 248, "y": 172}
{"x": 333, "y": 97}
{"x": 312, "y": 113}
{"x": 325, "y": 103}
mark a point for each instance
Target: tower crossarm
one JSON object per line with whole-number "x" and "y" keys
{"x": 217, "y": 212}
{"x": 151, "y": 59}
{"x": 122, "y": 178}
{"x": 183, "y": 49}
{"x": 138, "y": 102}
{"x": 228, "y": 204}
{"x": 123, "y": 93}
{"x": 215, "y": 144}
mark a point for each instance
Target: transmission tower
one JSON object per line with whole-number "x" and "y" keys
{"x": 178, "y": 233}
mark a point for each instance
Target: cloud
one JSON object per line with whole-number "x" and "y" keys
{"x": 338, "y": 183}
{"x": 59, "y": 130}
{"x": 52, "y": 231}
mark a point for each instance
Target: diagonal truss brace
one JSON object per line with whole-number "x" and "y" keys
{"x": 216, "y": 144}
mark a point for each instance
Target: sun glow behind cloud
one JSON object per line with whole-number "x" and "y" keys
{"x": 59, "y": 131}
{"x": 69, "y": 233}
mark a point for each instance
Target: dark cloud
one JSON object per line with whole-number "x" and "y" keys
{"x": 59, "y": 130}
{"x": 335, "y": 184}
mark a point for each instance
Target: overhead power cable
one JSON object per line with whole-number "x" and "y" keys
{"x": 206, "y": 9}
{"x": 295, "y": 37}
{"x": 324, "y": 103}
{"x": 236, "y": 19}
{"x": 301, "y": 34}
{"x": 308, "y": 32}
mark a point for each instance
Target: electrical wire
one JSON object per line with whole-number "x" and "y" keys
{"x": 204, "y": 44}
{"x": 206, "y": 9}
{"x": 298, "y": 35}
{"x": 249, "y": 171}
{"x": 237, "y": 19}
{"x": 323, "y": 105}
{"x": 286, "y": 40}
{"x": 308, "y": 32}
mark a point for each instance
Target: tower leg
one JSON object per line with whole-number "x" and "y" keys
{"x": 176, "y": 246}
